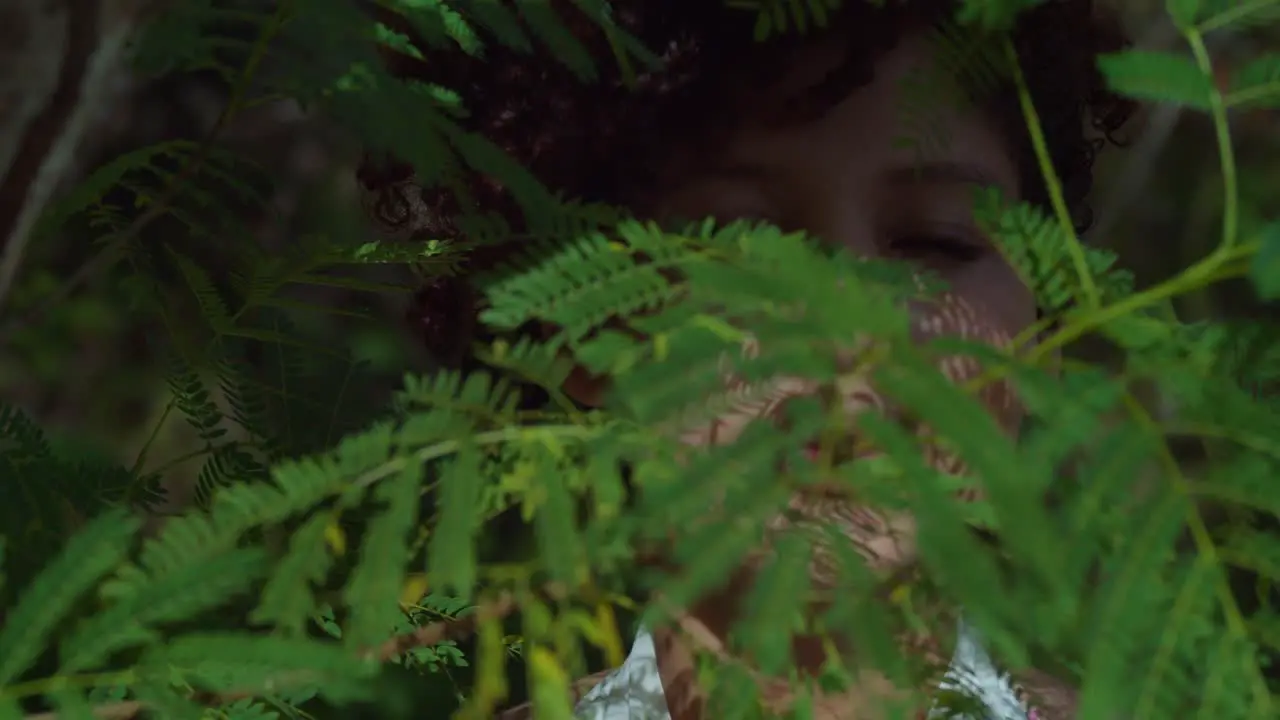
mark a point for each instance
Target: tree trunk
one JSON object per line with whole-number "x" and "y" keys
{"x": 56, "y": 61}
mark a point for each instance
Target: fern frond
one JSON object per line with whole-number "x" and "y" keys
{"x": 250, "y": 709}
{"x": 1213, "y": 15}
{"x": 201, "y": 35}
{"x": 375, "y": 583}
{"x": 23, "y": 440}
{"x": 775, "y": 17}
{"x": 212, "y": 305}
{"x": 438, "y": 24}
{"x": 227, "y": 464}
{"x": 530, "y": 361}
{"x": 238, "y": 663}
{"x": 775, "y": 603}
{"x": 71, "y": 703}
{"x": 451, "y": 554}
{"x": 555, "y": 523}
{"x": 287, "y": 600}
{"x": 1257, "y": 83}
{"x": 1035, "y": 245}
{"x": 248, "y": 401}
{"x": 498, "y": 20}
{"x": 84, "y": 559}
{"x": 479, "y": 396}
{"x": 1157, "y": 76}
{"x": 299, "y": 486}
{"x": 577, "y": 289}
{"x": 193, "y": 399}
{"x": 157, "y": 694}
{"x": 545, "y": 25}
{"x": 145, "y": 600}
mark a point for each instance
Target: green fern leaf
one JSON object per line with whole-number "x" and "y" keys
{"x": 1251, "y": 550}
{"x": 1011, "y": 483}
{"x": 1183, "y": 12}
{"x": 1257, "y": 84}
{"x": 359, "y": 453}
{"x": 489, "y": 159}
{"x": 71, "y": 703}
{"x": 23, "y": 440}
{"x": 182, "y": 540}
{"x": 166, "y": 702}
{"x": 90, "y": 191}
{"x": 193, "y": 36}
{"x": 1236, "y": 14}
{"x": 441, "y": 25}
{"x": 1038, "y": 249}
{"x": 451, "y": 559}
{"x": 1157, "y": 76}
{"x": 498, "y": 19}
{"x": 944, "y": 539}
{"x": 249, "y": 709}
{"x": 161, "y": 598}
{"x": 85, "y": 558}
{"x": 239, "y": 663}
{"x": 775, "y": 603}
{"x": 775, "y": 17}
{"x": 299, "y": 485}
{"x": 247, "y": 399}
{"x": 226, "y": 465}
{"x": 989, "y": 16}
{"x": 287, "y": 601}
{"x": 554, "y": 523}
{"x": 546, "y": 25}
{"x": 374, "y": 588}
{"x": 708, "y": 556}
{"x": 193, "y": 399}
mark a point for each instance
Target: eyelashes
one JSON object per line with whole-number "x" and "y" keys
{"x": 939, "y": 245}
{"x": 952, "y": 247}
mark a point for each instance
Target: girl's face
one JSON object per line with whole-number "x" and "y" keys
{"x": 847, "y": 179}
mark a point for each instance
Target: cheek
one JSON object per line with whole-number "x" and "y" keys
{"x": 956, "y": 316}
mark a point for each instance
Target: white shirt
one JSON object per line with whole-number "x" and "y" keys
{"x": 634, "y": 690}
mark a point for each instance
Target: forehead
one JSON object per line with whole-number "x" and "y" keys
{"x": 912, "y": 111}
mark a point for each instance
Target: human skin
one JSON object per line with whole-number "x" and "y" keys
{"x": 842, "y": 178}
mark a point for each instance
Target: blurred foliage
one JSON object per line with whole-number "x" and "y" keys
{"x": 201, "y": 349}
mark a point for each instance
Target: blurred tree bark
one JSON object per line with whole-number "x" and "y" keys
{"x": 56, "y": 58}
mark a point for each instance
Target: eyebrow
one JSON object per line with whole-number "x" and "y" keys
{"x": 927, "y": 173}
{"x": 735, "y": 170}
{"x": 942, "y": 173}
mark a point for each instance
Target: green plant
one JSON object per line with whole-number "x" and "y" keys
{"x": 300, "y": 574}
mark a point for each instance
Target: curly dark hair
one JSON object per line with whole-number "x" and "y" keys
{"x": 597, "y": 141}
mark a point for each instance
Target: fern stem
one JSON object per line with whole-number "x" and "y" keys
{"x": 141, "y": 457}
{"x": 1222, "y": 133}
{"x": 1231, "y": 16}
{"x": 190, "y": 456}
{"x": 1052, "y": 183}
{"x": 1212, "y": 269}
{"x": 1193, "y": 278}
{"x": 49, "y": 685}
{"x": 492, "y": 437}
